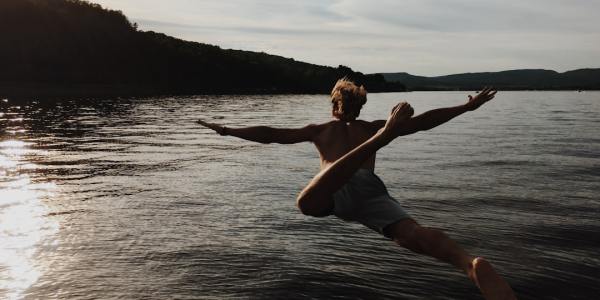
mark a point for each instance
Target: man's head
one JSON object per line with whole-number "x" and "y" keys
{"x": 347, "y": 99}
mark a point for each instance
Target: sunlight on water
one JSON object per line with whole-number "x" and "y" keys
{"x": 24, "y": 225}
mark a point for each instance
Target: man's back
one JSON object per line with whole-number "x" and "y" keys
{"x": 336, "y": 138}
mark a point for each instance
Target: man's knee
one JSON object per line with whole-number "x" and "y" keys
{"x": 312, "y": 206}
{"x": 405, "y": 233}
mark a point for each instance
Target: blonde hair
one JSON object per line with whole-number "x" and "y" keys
{"x": 347, "y": 99}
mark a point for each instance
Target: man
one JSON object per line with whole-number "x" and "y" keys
{"x": 347, "y": 186}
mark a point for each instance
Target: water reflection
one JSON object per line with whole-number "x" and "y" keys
{"x": 152, "y": 206}
{"x": 24, "y": 224}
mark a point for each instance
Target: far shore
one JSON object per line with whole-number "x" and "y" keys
{"x": 44, "y": 90}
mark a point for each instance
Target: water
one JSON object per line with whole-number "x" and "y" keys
{"x": 131, "y": 199}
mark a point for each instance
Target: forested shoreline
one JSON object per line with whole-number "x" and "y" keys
{"x": 68, "y": 46}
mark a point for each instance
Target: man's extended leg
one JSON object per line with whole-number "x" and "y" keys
{"x": 407, "y": 233}
{"x": 315, "y": 199}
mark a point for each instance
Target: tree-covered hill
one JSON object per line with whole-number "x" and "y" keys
{"x": 582, "y": 79}
{"x": 58, "y": 45}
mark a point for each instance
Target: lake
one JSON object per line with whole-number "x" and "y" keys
{"x": 129, "y": 198}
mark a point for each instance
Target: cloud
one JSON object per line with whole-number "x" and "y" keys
{"x": 477, "y": 15}
{"x": 428, "y": 37}
{"x": 260, "y": 30}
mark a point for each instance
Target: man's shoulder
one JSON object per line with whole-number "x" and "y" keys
{"x": 326, "y": 124}
{"x": 338, "y": 123}
{"x": 316, "y": 129}
{"x": 363, "y": 122}
{"x": 370, "y": 125}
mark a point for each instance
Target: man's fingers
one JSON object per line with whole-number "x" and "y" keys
{"x": 489, "y": 95}
{"x": 206, "y": 124}
{"x": 485, "y": 91}
{"x": 483, "y": 96}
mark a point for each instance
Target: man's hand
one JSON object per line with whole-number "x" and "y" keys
{"x": 400, "y": 113}
{"x": 484, "y": 96}
{"x": 218, "y": 128}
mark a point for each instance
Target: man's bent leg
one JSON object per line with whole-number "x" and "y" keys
{"x": 316, "y": 198}
{"x": 407, "y": 233}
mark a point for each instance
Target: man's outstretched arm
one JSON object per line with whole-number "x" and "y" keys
{"x": 266, "y": 135}
{"x": 436, "y": 117}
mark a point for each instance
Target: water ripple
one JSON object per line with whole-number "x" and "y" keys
{"x": 129, "y": 198}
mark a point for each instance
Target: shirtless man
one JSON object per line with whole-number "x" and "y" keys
{"x": 348, "y": 188}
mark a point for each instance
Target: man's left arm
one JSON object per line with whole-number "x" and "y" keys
{"x": 436, "y": 117}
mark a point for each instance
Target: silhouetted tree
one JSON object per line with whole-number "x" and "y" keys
{"x": 66, "y": 42}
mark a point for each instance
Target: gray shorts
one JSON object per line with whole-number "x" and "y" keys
{"x": 364, "y": 199}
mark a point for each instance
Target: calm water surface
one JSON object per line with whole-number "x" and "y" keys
{"x": 131, "y": 199}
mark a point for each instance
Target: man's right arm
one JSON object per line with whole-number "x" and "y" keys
{"x": 266, "y": 134}
{"x": 430, "y": 119}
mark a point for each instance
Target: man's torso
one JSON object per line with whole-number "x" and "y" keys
{"x": 336, "y": 138}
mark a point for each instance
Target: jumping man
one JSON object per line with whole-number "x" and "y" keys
{"x": 348, "y": 188}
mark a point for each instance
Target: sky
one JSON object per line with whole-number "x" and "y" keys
{"x": 421, "y": 37}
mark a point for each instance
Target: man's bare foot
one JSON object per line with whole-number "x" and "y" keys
{"x": 491, "y": 285}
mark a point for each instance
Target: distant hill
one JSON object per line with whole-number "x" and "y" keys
{"x": 76, "y": 47}
{"x": 582, "y": 79}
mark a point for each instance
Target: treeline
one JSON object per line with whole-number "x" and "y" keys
{"x": 70, "y": 43}
{"x": 581, "y": 79}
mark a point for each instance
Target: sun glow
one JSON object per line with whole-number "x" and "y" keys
{"x": 24, "y": 223}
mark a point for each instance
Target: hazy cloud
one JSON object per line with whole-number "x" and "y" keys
{"x": 426, "y": 37}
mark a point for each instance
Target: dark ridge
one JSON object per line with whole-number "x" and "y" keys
{"x": 72, "y": 47}
{"x": 526, "y": 79}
